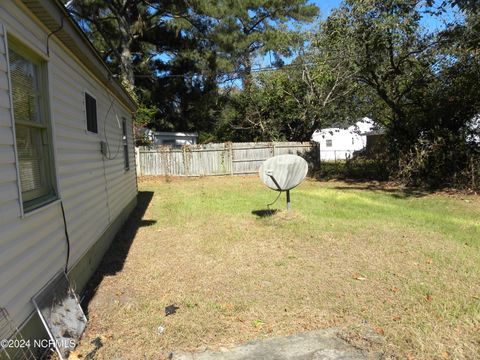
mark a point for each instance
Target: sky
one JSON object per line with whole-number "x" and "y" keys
{"x": 325, "y": 6}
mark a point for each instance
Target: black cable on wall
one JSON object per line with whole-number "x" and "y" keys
{"x": 66, "y": 236}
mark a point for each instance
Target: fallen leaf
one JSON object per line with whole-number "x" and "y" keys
{"x": 258, "y": 323}
{"x": 359, "y": 277}
{"x": 74, "y": 355}
{"x": 229, "y": 306}
{"x": 396, "y": 318}
{"x": 394, "y": 289}
{"x": 379, "y": 330}
{"x": 445, "y": 355}
{"x": 428, "y": 298}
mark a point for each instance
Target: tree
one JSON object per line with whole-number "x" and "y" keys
{"x": 245, "y": 29}
{"x": 160, "y": 52}
{"x": 126, "y": 32}
{"x": 419, "y": 85}
{"x": 173, "y": 54}
{"x": 390, "y": 57}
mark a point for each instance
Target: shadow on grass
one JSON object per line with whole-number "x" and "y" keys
{"x": 264, "y": 212}
{"x": 394, "y": 191}
{"x": 114, "y": 258}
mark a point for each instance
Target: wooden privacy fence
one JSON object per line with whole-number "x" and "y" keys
{"x": 216, "y": 159}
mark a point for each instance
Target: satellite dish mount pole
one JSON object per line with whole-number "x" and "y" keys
{"x": 288, "y": 200}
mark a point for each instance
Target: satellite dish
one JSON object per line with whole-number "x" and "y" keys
{"x": 283, "y": 173}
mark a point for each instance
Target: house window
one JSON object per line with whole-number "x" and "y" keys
{"x": 91, "y": 111}
{"x": 125, "y": 144}
{"x": 33, "y": 141}
{"x": 329, "y": 143}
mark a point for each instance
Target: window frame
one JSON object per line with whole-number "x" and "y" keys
{"x": 329, "y": 141}
{"x": 126, "y": 155}
{"x": 89, "y": 93}
{"x": 34, "y": 199}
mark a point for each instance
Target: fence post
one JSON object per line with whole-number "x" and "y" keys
{"x": 185, "y": 149}
{"x": 473, "y": 173}
{"x": 273, "y": 149}
{"x": 230, "y": 150}
{"x": 137, "y": 161}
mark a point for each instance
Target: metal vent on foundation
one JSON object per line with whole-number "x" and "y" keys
{"x": 60, "y": 311}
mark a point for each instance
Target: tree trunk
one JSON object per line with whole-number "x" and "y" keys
{"x": 127, "y": 76}
{"x": 126, "y": 64}
{"x": 247, "y": 76}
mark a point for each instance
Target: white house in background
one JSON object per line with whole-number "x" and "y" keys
{"x": 174, "y": 138}
{"x": 67, "y": 173}
{"x": 340, "y": 144}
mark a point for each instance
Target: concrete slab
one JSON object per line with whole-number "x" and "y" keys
{"x": 315, "y": 345}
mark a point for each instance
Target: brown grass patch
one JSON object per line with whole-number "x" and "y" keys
{"x": 388, "y": 284}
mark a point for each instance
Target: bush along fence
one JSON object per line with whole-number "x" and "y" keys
{"x": 218, "y": 159}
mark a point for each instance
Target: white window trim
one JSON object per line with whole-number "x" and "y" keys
{"x": 12, "y": 120}
{"x": 53, "y": 174}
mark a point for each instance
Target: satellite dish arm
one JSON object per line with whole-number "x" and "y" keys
{"x": 269, "y": 173}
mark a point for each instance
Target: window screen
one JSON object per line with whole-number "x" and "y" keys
{"x": 329, "y": 143}
{"x": 25, "y": 92}
{"x": 91, "y": 110}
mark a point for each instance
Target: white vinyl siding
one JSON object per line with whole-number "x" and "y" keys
{"x": 94, "y": 190}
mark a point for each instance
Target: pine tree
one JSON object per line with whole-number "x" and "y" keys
{"x": 245, "y": 29}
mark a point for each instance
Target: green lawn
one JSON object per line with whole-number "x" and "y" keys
{"x": 395, "y": 271}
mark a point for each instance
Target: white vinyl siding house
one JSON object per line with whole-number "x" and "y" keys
{"x": 48, "y": 156}
{"x": 341, "y": 143}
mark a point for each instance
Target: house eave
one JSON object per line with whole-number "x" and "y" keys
{"x": 55, "y": 17}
